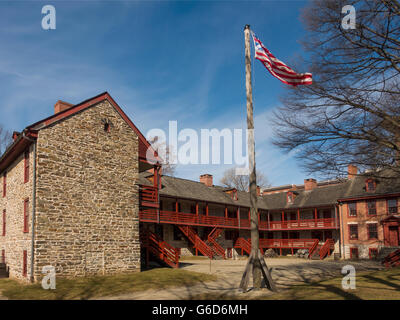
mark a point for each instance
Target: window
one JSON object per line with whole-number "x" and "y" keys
{"x": 4, "y": 223}
{"x": 372, "y": 231}
{"x": 371, "y": 207}
{"x": 373, "y": 253}
{"x": 26, "y": 215}
{"x": 26, "y": 166}
{"x": 352, "y": 209}
{"x": 235, "y": 195}
{"x": 392, "y": 206}
{"x": 4, "y": 184}
{"x": 25, "y": 263}
{"x": 370, "y": 185}
{"x": 353, "y": 231}
{"x": 353, "y": 253}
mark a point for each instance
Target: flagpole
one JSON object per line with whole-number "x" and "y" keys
{"x": 256, "y": 262}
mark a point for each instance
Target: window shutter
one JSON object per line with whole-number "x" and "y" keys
{"x": 25, "y": 263}
{"x": 26, "y": 215}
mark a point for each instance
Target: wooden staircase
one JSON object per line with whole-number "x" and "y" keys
{"x": 319, "y": 251}
{"x": 327, "y": 249}
{"x": 314, "y": 248}
{"x": 392, "y": 259}
{"x": 243, "y": 244}
{"x": 218, "y": 250}
{"x": 198, "y": 244}
{"x": 160, "y": 249}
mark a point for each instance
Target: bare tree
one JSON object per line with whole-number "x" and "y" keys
{"x": 166, "y": 153}
{"x": 241, "y": 182}
{"x": 351, "y": 112}
{"x": 5, "y": 139}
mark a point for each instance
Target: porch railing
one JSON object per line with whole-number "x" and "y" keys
{"x": 180, "y": 218}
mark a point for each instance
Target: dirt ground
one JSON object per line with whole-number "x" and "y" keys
{"x": 285, "y": 273}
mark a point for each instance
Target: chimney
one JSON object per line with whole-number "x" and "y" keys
{"x": 207, "y": 179}
{"x": 351, "y": 171}
{"x": 310, "y": 184}
{"x": 15, "y": 135}
{"x": 61, "y": 106}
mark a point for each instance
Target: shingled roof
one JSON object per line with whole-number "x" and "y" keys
{"x": 326, "y": 195}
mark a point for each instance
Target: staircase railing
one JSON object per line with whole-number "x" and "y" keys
{"x": 212, "y": 240}
{"x": 313, "y": 248}
{"x": 326, "y": 249}
{"x": 243, "y": 244}
{"x": 392, "y": 259}
{"x": 196, "y": 240}
{"x": 161, "y": 249}
{"x": 148, "y": 196}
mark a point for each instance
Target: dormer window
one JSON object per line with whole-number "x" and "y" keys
{"x": 370, "y": 185}
{"x": 233, "y": 193}
{"x": 290, "y": 197}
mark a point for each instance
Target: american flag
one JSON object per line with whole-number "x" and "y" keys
{"x": 277, "y": 68}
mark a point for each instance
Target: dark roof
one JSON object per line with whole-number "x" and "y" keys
{"x": 326, "y": 195}
{"x": 189, "y": 189}
{"x": 387, "y": 182}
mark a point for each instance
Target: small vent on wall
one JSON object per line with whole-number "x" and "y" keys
{"x": 107, "y": 125}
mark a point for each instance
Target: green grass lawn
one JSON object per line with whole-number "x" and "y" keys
{"x": 371, "y": 285}
{"x": 101, "y": 286}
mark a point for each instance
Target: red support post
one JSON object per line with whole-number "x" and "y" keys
{"x": 298, "y": 215}
{"x": 283, "y": 215}
{"x": 226, "y": 212}
{"x": 315, "y": 216}
{"x": 176, "y": 205}
{"x": 238, "y": 216}
{"x": 207, "y": 209}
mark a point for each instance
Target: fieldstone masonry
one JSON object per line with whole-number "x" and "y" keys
{"x": 16, "y": 240}
{"x": 87, "y": 198}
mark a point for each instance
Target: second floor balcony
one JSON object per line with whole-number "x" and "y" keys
{"x": 173, "y": 217}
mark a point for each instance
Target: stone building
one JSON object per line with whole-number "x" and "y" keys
{"x": 69, "y": 193}
{"x": 80, "y": 191}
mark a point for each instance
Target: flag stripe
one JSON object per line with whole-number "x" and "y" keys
{"x": 277, "y": 68}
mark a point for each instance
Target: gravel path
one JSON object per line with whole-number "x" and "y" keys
{"x": 285, "y": 272}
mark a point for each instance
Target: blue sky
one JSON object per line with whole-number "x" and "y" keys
{"x": 159, "y": 60}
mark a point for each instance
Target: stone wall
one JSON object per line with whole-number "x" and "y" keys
{"x": 16, "y": 240}
{"x": 87, "y": 196}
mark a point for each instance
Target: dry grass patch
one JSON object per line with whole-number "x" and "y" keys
{"x": 370, "y": 285}
{"x": 102, "y": 286}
